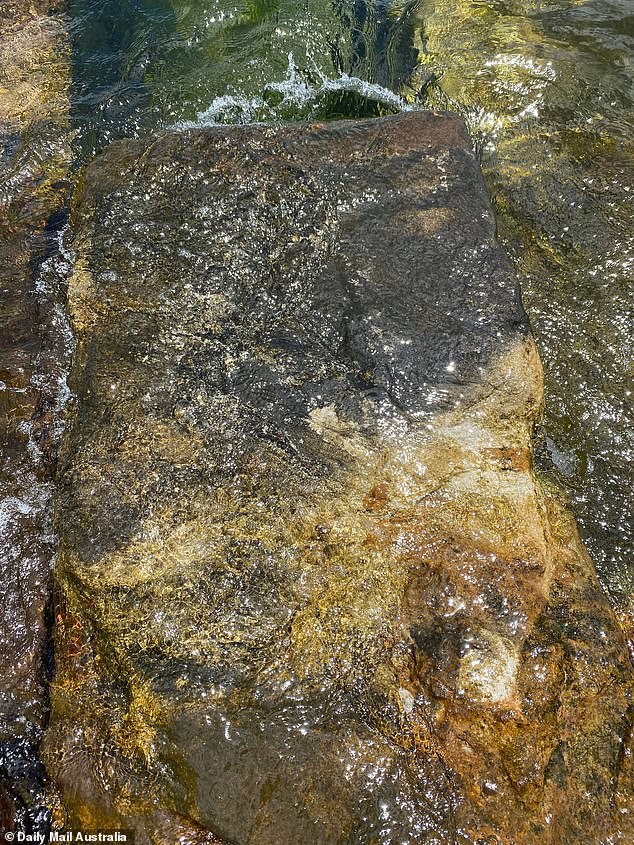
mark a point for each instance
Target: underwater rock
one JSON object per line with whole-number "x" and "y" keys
{"x": 561, "y": 181}
{"x": 309, "y": 587}
{"x": 34, "y": 159}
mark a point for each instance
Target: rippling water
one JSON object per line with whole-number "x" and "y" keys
{"x": 547, "y": 89}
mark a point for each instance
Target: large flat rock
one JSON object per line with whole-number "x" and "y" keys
{"x": 310, "y": 589}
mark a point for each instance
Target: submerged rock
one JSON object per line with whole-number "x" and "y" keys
{"x": 561, "y": 178}
{"x": 310, "y": 589}
{"x": 34, "y": 159}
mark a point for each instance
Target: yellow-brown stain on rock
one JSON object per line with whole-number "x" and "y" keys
{"x": 357, "y": 600}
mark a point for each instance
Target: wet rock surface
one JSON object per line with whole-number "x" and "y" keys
{"x": 34, "y": 159}
{"x": 309, "y": 588}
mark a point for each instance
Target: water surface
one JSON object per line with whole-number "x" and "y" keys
{"x": 547, "y": 89}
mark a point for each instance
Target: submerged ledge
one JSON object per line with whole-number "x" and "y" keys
{"x": 309, "y": 587}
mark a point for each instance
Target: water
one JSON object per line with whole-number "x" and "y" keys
{"x": 152, "y": 64}
{"x": 547, "y": 89}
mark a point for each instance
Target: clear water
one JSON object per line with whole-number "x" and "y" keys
{"x": 146, "y": 64}
{"x": 548, "y": 91}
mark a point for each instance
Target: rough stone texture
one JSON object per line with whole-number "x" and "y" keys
{"x": 34, "y": 157}
{"x": 310, "y": 589}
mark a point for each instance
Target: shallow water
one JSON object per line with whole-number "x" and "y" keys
{"x": 548, "y": 91}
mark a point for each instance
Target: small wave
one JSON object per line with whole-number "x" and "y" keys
{"x": 295, "y": 97}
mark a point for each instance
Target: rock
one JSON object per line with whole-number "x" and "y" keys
{"x": 310, "y": 589}
{"x": 34, "y": 159}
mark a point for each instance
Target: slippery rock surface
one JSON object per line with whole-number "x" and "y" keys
{"x": 34, "y": 159}
{"x": 309, "y": 588}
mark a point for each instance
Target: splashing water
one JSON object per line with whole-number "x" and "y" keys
{"x": 294, "y": 97}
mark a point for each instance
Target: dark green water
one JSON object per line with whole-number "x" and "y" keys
{"x": 548, "y": 91}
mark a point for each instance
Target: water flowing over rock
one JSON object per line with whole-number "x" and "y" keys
{"x": 34, "y": 161}
{"x": 310, "y": 589}
{"x": 560, "y": 170}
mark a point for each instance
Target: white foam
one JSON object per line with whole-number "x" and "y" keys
{"x": 296, "y": 94}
